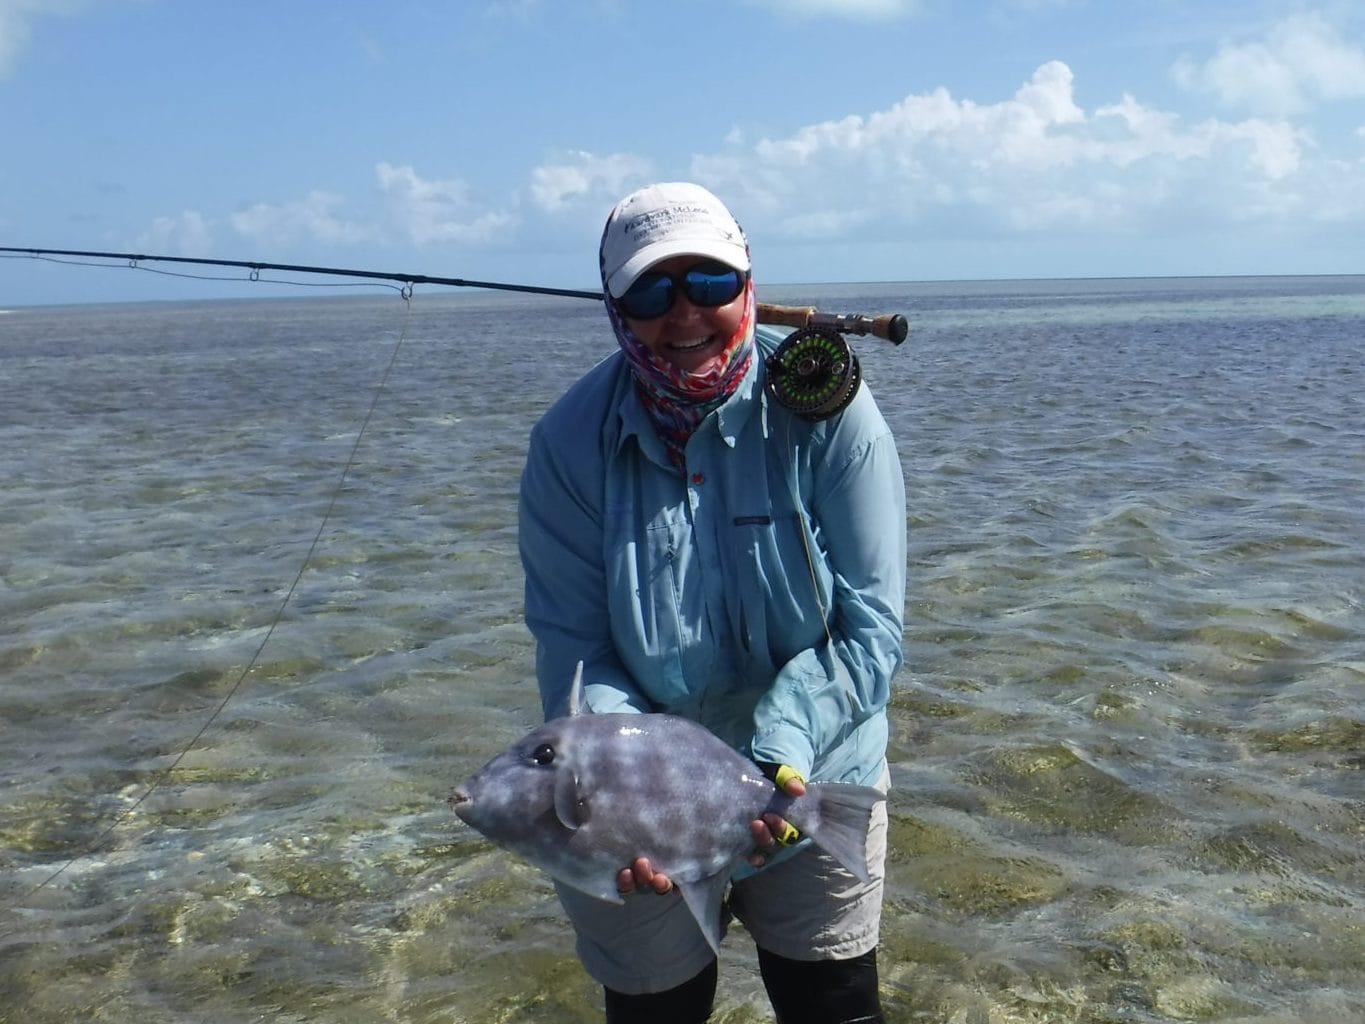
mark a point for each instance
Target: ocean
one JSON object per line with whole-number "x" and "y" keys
{"x": 1127, "y": 747}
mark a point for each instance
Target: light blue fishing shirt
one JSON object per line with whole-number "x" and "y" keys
{"x": 759, "y": 591}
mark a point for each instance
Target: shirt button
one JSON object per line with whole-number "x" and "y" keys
{"x": 697, "y": 478}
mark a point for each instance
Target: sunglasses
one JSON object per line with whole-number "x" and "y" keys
{"x": 706, "y": 284}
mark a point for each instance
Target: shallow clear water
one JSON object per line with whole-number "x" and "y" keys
{"x": 1128, "y": 745}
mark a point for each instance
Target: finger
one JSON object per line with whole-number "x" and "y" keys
{"x": 763, "y": 836}
{"x": 783, "y": 831}
{"x": 662, "y": 883}
{"x": 625, "y": 881}
{"x": 794, "y": 787}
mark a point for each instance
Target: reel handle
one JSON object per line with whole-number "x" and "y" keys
{"x": 891, "y": 326}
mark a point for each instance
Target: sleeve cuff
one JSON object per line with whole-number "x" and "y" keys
{"x": 786, "y": 745}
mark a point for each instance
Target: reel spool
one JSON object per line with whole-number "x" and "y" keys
{"x": 814, "y": 373}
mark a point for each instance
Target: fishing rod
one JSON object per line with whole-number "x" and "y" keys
{"x": 814, "y": 372}
{"x": 255, "y": 266}
{"x": 891, "y": 326}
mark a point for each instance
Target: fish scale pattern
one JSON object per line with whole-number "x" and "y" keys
{"x": 665, "y": 790}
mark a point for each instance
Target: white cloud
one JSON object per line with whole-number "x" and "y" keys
{"x": 1302, "y": 61}
{"x": 1033, "y": 166}
{"x": 1036, "y": 162}
{"x": 926, "y": 129}
{"x": 1271, "y": 148}
{"x": 312, "y": 218}
{"x": 581, "y": 177}
{"x": 185, "y": 234}
{"x": 437, "y": 210}
{"x": 16, "y": 19}
{"x": 415, "y": 209}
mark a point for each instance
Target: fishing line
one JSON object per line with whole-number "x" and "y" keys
{"x": 815, "y": 374}
{"x": 805, "y": 526}
{"x": 164, "y": 774}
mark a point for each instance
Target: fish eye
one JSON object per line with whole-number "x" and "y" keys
{"x": 543, "y": 754}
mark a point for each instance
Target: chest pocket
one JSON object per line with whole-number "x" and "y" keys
{"x": 779, "y": 612}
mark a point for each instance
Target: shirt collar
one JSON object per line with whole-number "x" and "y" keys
{"x": 728, "y": 420}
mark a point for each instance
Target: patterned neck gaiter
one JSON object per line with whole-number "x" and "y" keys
{"x": 677, "y": 401}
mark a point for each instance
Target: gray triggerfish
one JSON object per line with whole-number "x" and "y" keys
{"x": 584, "y": 795}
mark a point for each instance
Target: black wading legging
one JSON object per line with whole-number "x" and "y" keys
{"x": 801, "y": 991}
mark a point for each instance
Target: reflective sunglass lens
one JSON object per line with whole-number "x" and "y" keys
{"x": 707, "y": 285}
{"x": 712, "y": 285}
{"x": 649, "y": 297}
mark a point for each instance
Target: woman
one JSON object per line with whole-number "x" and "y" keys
{"x": 706, "y": 552}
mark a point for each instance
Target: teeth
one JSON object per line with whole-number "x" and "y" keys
{"x": 691, "y": 343}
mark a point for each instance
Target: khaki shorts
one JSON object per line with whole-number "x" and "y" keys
{"x": 806, "y": 907}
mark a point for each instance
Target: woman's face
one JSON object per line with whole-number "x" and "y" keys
{"x": 690, "y": 337}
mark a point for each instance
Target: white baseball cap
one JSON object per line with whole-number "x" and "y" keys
{"x": 673, "y": 218}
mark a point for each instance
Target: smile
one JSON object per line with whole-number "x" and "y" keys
{"x": 690, "y": 344}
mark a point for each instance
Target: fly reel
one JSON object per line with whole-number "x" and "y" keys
{"x": 814, "y": 373}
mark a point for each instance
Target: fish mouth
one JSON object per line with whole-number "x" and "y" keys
{"x": 460, "y": 801}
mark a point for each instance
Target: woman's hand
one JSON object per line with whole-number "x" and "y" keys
{"x": 641, "y": 875}
{"x": 771, "y": 829}
{"x": 767, "y": 831}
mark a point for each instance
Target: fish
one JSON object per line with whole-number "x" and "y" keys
{"x": 582, "y": 796}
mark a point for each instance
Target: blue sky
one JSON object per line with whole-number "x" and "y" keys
{"x": 854, "y": 139}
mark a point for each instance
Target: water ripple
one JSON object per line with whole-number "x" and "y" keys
{"x": 1126, "y": 750}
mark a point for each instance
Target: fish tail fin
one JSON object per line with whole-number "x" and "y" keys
{"x": 836, "y": 817}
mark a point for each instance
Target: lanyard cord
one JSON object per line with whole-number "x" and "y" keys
{"x": 806, "y": 527}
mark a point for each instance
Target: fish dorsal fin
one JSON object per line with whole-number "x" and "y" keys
{"x": 577, "y": 705}
{"x": 571, "y": 804}
{"x": 703, "y": 898}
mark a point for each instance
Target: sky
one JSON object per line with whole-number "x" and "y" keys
{"x": 855, "y": 140}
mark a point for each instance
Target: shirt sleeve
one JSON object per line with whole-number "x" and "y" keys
{"x": 821, "y": 694}
{"x": 559, "y": 533}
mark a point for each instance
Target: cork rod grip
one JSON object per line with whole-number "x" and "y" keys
{"x": 891, "y": 326}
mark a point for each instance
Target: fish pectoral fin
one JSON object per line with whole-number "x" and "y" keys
{"x": 704, "y": 898}
{"x": 598, "y": 888}
{"x": 571, "y": 804}
{"x": 608, "y": 892}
